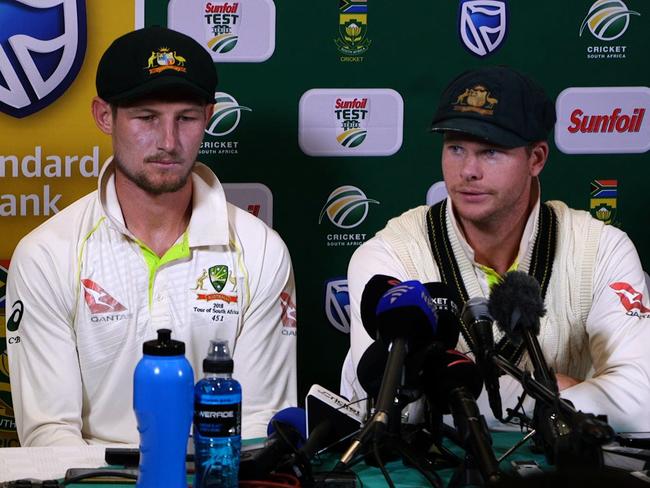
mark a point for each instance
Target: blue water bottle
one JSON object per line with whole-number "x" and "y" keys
{"x": 217, "y": 421}
{"x": 162, "y": 400}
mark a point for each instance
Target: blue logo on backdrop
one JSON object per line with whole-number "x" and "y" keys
{"x": 337, "y": 304}
{"x": 42, "y": 47}
{"x": 482, "y": 25}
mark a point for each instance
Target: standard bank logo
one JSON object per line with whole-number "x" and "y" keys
{"x": 350, "y": 122}
{"x": 482, "y": 25}
{"x": 42, "y": 47}
{"x": 337, "y": 304}
{"x": 346, "y": 207}
{"x": 232, "y": 31}
{"x": 226, "y": 115}
{"x": 607, "y": 19}
{"x": 4, "y": 270}
{"x": 603, "y": 120}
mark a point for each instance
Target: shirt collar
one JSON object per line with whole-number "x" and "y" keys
{"x": 525, "y": 245}
{"x": 209, "y": 221}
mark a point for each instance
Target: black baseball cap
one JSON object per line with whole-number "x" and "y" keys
{"x": 155, "y": 59}
{"x": 497, "y": 104}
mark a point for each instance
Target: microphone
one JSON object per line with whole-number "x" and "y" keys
{"x": 405, "y": 313}
{"x": 453, "y": 383}
{"x": 376, "y": 287}
{"x": 286, "y": 432}
{"x": 372, "y": 362}
{"x": 477, "y": 318}
{"x": 447, "y": 310}
{"x": 516, "y": 304}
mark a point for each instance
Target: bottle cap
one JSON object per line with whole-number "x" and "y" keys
{"x": 164, "y": 345}
{"x": 218, "y": 359}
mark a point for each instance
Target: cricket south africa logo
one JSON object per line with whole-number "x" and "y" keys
{"x": 346, "y": 207}
{"x": 353, "y": 29}
{"x": 607, "y": 19}
{"x": 226, "y": 116}
{"x": 482, "y": 25}
{"x": 351, "y": 116}
{"x": 222, "y": 21}
{"x": 42, "y": 48}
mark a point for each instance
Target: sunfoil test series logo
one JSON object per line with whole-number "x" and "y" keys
{"x": 42, "y": 47}
{"x": 350, "y": 122}
{"x": 607, "y": 20}
{"x": 353, "y": 30}
{"x": 224, "y": 121}
{"x": 232, "y": 31}
{"x": 482, "y": 25}
{"x": 346, "y": 208}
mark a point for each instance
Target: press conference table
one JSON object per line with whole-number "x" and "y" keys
{"x": 401, "y": 475}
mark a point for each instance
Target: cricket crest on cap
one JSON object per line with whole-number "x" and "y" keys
{"x": 164, "y": 59}
{"x": 476, "y": 99}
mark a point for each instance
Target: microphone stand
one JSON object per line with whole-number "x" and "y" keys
{"x": 571, "y": 437}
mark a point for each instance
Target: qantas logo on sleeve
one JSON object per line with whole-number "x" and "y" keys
{"x": 98, "y": 299}
{"x": 631, "y": 299}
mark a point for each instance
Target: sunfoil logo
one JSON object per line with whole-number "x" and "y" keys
{"x": 222, "y": 21}
{"x": 346, "y": 207}
{"x": 607, "y": 19}
{"x": 226, "y": 116}
{"x": 351, "y": 117}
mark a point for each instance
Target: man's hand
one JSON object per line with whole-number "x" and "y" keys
{"x": 564, "y": 381}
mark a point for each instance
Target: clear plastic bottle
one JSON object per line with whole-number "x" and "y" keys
{"x": 217, "y": 421}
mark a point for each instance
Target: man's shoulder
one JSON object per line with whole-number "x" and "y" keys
{"x": 253, "y": 230}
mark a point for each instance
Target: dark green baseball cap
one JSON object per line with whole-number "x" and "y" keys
{"x": 155, "y": 60}
{"x": 497, "y": 104}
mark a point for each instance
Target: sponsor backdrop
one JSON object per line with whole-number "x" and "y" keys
{"x": 320, "y": 125}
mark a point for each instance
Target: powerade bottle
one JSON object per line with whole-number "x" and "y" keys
{"x": 162, "y": 399}
{"x": 217, "y": 421}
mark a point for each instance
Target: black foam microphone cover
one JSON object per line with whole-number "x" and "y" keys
{"x": 446, "y": 371}
{"x": 448, "y": 313}
{"x": 371, "y": 367}
{"x": 372, "y": 293}
{"x": 516, "y": 303}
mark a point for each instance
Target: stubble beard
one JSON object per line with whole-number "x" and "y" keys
{"x": 143, "y": 181}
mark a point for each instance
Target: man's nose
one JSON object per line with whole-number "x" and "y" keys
{"x": 471, "y": 168}
{"x": 168, "y": 135}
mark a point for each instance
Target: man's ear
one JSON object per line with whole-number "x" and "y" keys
{"x": 538, "y": 157}
{"x": 103, "y": 115}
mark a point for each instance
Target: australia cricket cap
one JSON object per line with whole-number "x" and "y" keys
{"x": 153, "y": 60}
{"x": 497, "y": 104}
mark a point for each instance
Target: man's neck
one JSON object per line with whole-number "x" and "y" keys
{"x": 156, "y": 220}
{"x": 496, "y": 242}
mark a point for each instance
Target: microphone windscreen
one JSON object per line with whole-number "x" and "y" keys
{"x": 444, "y": 372}
{"x": 447, "y": 311}
{"x": 407, "y": 311}
{"x": 517, "y": 302}
{"x": 370, "y": 369}
{"x": 292, "y": 416}
{"x": 372, "y": 293}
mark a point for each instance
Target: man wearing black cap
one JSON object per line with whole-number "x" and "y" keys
{"x": 495, "y": 123}
{"x": 156, "y": 246}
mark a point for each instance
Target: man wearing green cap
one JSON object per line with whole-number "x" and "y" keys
{"x": 495, "y": 123}
{"x": 156, "y": 246}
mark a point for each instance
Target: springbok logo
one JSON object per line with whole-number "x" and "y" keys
{"x": 42, "y": 47}
{"x": 98, "y": 299}
{"x": 226, "y": 116}
{"x": 482, "y": 25}
{"x": 607, "y": 19}
{"x": 631, "y": 299}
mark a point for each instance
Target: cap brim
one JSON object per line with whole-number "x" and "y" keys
{"x": 168, "y": 84}
{"x": 477, "y": 128}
